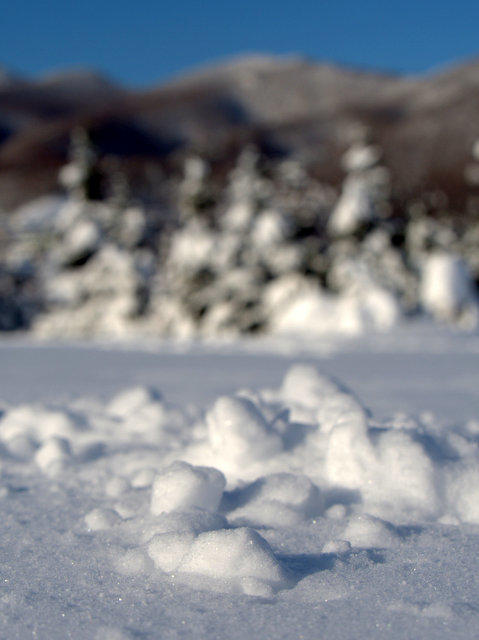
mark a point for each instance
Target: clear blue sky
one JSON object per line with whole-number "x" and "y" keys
{"x": 144, "y": 41}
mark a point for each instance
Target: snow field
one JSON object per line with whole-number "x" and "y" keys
{"x": 204, "y": 498}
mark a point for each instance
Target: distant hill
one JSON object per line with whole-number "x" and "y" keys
{"x": 287, "y": 105}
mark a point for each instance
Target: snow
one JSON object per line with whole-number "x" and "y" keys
{"x": 361, "y": 157}
{"x": 53, "y": 455}
{"x": 231, "y": 554}
{"x": 238, "y": 433}
{"x": 363, "y": 189}
{"x": 133, "y": 400}
{"x": 281, "y": 499}
{"x": 296, "y": 305}
{"x": 81, "y": 240}
{"x": 266, "y": 249}
{"x": 447, "y": 289}
{"x": 100, "y": 519}
{"x": 367, "y": 532}
{"x": 167, "y": 550}
{"x": 38, "y": 215}
{"x": 241, "y": 489}
{"x": 353, "y": 208}
{"x": 182, "y": 486}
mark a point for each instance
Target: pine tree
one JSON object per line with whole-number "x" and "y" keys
{"x": 80, "y": 176}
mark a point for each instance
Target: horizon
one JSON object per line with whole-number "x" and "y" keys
{"x": 158, "y": 43}
{"x": 223, "y": 61}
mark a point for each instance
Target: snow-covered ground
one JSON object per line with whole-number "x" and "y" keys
{"x": 261, "y": 489}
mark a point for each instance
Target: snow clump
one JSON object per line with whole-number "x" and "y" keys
{"x": 182, "y": 494}
{"x": 235, "y": 554}
{"x": 182, "y": 486}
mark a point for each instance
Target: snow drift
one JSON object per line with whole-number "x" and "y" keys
{"x": 189, "y": 493}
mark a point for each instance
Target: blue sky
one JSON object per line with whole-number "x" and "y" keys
{"x": 142, "y": 42}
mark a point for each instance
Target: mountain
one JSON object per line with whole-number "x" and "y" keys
{"x": 286, "y": 105}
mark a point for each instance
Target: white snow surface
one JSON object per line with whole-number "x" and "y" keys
{"x": 250, "y": 489}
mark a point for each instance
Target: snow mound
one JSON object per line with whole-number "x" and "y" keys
{"x": 239, "y": 434}
{"x": 365, "y": 531}
{"x": 167, "y": 550}
{"x": 462, "y": 490}
{"x": 53, "y": 455}
{"x": 235, "y": 554}
{"x": 101, "y": 519}
{"x": 402, "y": 472}
{"x": 132, "y": 400}
{"x": 177, "y": 494}
{"x": 338, "y": 547}
{"x": 117, "y": 486}
{"x": 143, "y": 478}
{"x": 195, "y": 521}
{"x": 281, "y": 499}
{"x": 143, "y": 413}
{"x": 182, "y": 486}
{"x": 37, "y": 422}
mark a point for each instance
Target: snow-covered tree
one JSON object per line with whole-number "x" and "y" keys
{"x": 216, "y": 268}
{"x": 363, "y": 263}
{"x": 80, "y": 176}
{"x": 447, "y": 290}
{"x": 94, "y": 274}
{"x": 195, "y": 195}
{"x": 365, "y": 189}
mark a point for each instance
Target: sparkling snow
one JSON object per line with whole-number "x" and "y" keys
{"x": 242, "y": 490}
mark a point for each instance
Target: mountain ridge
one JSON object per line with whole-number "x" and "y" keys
{"x": 290, "y": 105}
